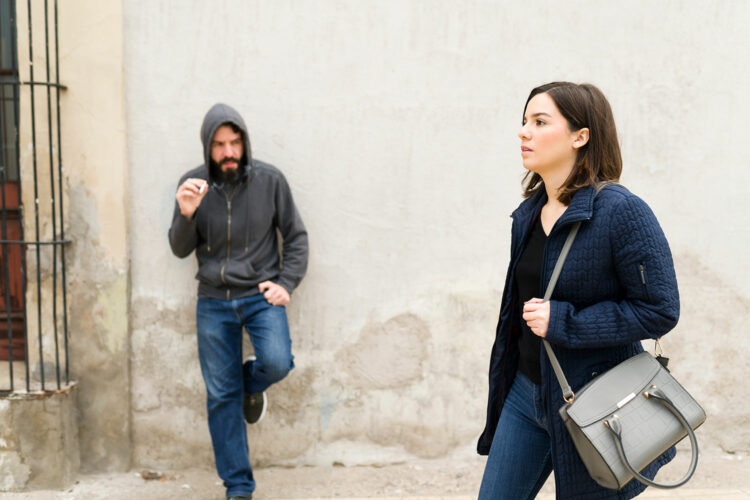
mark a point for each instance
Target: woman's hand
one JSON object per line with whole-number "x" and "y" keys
{"x": 536, "y": 315}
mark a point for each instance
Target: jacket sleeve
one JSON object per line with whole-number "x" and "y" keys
{"x": 294, "y": 237}
{"x": 650, "y": 306}
{"x": 183, "y": 237}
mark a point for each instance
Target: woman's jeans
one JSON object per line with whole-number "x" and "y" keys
{"x": 519, "y": 461}
{"x": 220, "y": 324}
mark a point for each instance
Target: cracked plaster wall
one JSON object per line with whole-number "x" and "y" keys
{"x": 395, "y": 124}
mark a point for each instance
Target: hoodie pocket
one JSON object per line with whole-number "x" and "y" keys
{"x": 240, "y": 272}
{"x": 209, "y": 272}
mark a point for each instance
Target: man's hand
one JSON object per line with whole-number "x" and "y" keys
{"x": 276, "y": 295}
{"x": 536, "y": 315}
{"x": 190, "y": 194}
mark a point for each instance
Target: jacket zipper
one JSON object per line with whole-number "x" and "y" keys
{"x": 513, "y": 311}
{"x": 541, "y": 291}
{"x": 642, "y": 272}
{"x": 229, "y": 235}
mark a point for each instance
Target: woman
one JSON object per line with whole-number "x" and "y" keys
{"x": 617, "y": 288}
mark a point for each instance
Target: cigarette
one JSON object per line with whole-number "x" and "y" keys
{"x": 203, "y": 188}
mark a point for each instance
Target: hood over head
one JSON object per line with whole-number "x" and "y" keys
{"x": 218, "y": 115}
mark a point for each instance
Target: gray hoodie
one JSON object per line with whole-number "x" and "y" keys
{"x": 234, "y": 230}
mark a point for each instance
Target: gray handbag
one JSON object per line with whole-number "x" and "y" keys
{"x": 625, "y": 418}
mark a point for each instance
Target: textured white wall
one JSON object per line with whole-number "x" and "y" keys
{"x": 395, "y": 123}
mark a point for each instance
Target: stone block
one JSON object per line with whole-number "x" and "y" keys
{"x": 39, "y": 445}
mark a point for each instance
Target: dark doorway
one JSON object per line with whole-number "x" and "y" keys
{"x": 11, "y": 277}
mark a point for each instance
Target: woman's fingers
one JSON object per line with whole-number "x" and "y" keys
{"x": 536, "y": 315}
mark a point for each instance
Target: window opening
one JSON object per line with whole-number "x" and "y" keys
{"x": 46, "y": 348}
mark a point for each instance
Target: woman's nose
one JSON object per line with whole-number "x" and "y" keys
{"x": 523, "y": 132}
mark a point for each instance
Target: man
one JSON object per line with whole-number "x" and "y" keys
{"x": 230, "y": 210}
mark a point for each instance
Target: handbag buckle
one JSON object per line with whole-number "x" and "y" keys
{"x": 627, "y": 399}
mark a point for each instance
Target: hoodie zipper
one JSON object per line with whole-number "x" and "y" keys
{"x": 229, "y": 235}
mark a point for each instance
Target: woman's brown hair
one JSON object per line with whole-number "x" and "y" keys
{"x": 583, "y": 106}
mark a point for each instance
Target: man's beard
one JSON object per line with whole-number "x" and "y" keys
{"x": 227, "y": 176}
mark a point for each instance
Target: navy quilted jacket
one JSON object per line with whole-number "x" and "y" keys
{"x": 617, "y": 287}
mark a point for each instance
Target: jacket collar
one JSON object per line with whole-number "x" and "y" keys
{"x": 581, "y": 207}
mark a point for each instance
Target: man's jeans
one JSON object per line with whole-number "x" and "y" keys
{"x": 220, "y": 325}
{"x": 519, "y": 461}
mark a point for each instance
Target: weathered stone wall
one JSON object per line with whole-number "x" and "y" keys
{"x": 395, "y": 123}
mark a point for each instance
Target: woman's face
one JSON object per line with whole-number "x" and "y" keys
{"x": 547, "y": 144}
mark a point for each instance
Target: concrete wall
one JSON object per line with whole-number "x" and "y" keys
{"x": 95, "y": 137}
{"x": 395, "y": 123}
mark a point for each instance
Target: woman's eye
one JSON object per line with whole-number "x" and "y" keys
{"x": 540, "y": 122}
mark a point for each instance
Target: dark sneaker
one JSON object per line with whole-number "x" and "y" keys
{"x": 254, "y": 407}
{"x": 240, "y": 498}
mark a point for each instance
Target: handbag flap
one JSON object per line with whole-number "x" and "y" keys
{"x": 613, "y": 389}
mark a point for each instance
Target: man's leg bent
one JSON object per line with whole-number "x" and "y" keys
{"x": 220, "y": 355}
{"x": 268, "y": 329}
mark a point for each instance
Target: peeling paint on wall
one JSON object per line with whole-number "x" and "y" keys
{"x": 387, "y": 355}
{"x": 98, "y": 324}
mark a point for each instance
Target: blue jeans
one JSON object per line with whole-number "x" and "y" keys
{"x": 220, "y": 324}
{"x": 519, "y": 461}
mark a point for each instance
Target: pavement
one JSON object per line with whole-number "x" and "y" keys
{"x": 720, "y": 476}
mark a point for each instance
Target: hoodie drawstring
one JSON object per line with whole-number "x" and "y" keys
{"x": 208, "y": 230}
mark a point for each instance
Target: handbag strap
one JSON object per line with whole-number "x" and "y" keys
{"x": 568, "y": 394}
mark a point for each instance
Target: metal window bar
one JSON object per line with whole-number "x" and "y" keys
{"x": 13, "y": 86}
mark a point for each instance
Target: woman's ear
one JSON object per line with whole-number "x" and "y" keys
{"x": 581, "y": 138}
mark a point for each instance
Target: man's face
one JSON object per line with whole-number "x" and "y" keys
{"x": 227, "y": 148}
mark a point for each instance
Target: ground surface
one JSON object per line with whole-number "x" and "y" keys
{"x": 719, "y": 476}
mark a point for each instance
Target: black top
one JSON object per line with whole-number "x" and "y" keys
{"x": 527, "y": 281}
